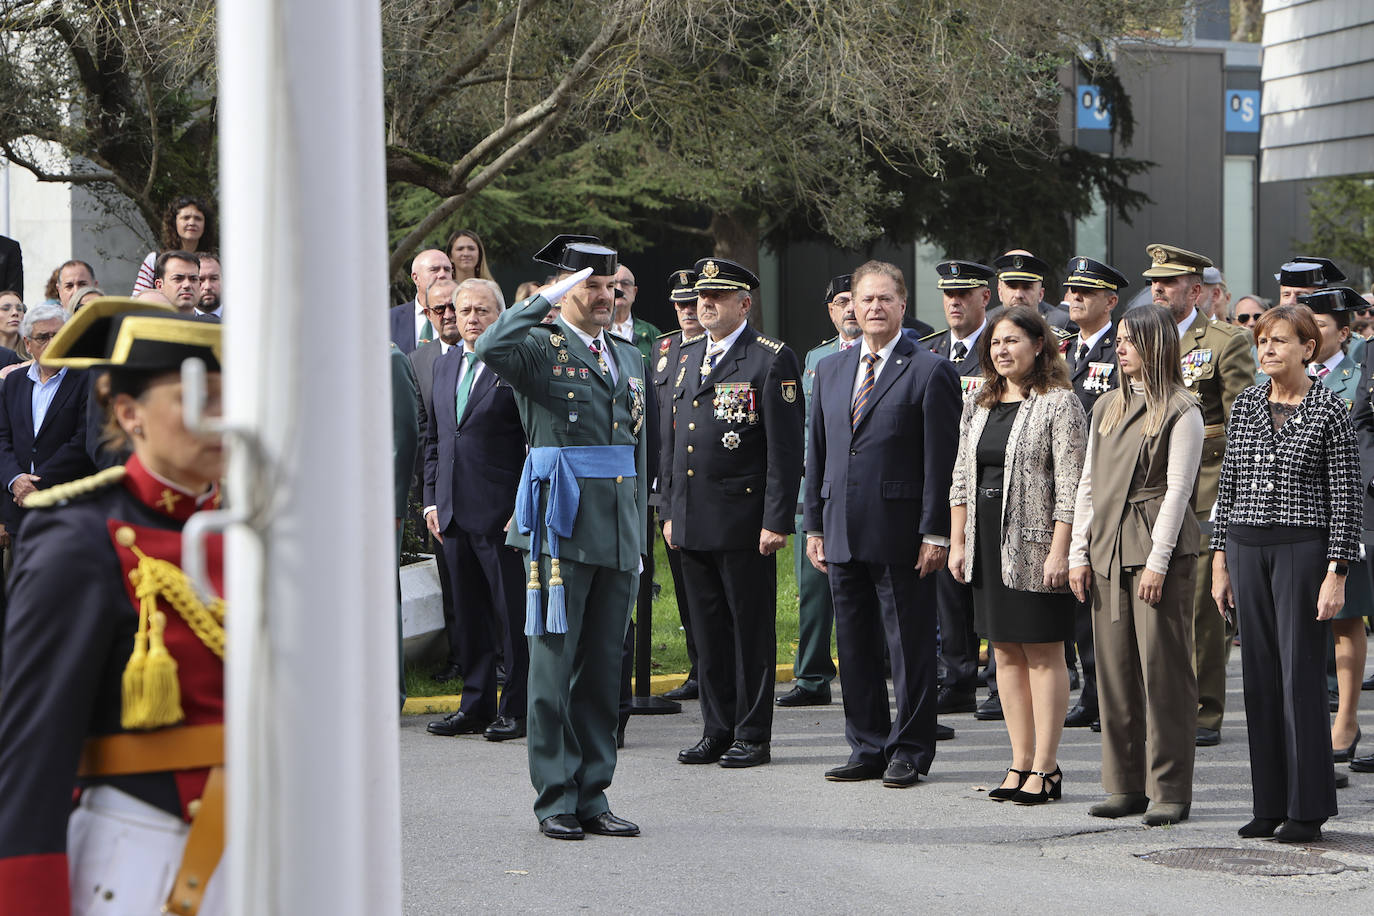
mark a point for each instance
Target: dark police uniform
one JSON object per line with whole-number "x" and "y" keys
{"x": 113, "y": 676}
{"x": 665, "y": 359}
{"x": 1030, "y": 269}
{"x": 733, "y": 460}
{"x": 1093, "y": 372}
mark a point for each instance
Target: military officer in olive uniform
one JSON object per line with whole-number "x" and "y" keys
{"x": 582, "y": 399}
{"x": 813, "y": 667}
{"x": 966, "y": 291}
{"x": 1217, "y": 366}
{"x": 1092, "y": 291}
{"x": 733, "y": 460}
{"x": 667, "y": 357}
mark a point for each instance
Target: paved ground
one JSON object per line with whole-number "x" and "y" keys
{"x": 780, "y": 839}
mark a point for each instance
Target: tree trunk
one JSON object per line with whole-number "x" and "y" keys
{"x": 737, "y": 238}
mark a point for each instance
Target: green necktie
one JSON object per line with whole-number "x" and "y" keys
{"x": 426, "y": 333}
{"x": 465, "y": 386}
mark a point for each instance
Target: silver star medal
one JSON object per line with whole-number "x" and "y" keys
{"x": 730, "y": 440}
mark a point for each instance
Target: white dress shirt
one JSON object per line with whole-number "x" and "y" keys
{"x": 605, "y": 349}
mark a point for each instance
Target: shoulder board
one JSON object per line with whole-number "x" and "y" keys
{"x": 770, "y": 343}
{"x": 934, "y": 335}
{"x": 64, "y": 492}
{"x": 668, "y": 334}
{"x": 616, "y": 339}
{"x": 1062, "y": 334}
{"x": 826, "y": 343}
{"x": 692, "y": 340}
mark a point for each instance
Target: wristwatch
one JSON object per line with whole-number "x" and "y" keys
{"x": 1338, "y": 567}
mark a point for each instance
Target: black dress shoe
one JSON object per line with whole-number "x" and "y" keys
{"x": 943, "y": 732}
{"x": 607, "y": 824}
{"x": 504, "y": 729}
{"x": 1080, "y": 717}
{"x": 561, "y": 827}
{"x": 950, "y": 701}
{"x": 457, "y": 723}
{"x": 1367, "y": 683}
{"x": 1342, "y": 779}
{"x": 746, "y": 754}
{"x": 1096, "y": 726}
{"x": 900, "y": 774}
{"x": 1299, "y": 831}
{"x": 1363, "y": 764}
{"x": 707, "y": 750}
{"x": 449, "y": 673}
{"x": 991, "y": 710}
{"x": 687, "y": 690}
{"x": 1074, "y": 682}
{"x": 854, "y": 772}
{"x": 1207, "y": 737}
{"x": 1260, "y": 828}
{"x": 800, "y": 696}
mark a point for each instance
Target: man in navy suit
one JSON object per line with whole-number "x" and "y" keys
{"x": 410, "y": 326}
{"x": 474, "y": 450}
{"x": 879, "y": 461}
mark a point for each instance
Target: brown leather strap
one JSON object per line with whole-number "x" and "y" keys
{"x": 188, "y": 747}
{"x": 204, "y": 847}
{"x": 1213, "y": 430}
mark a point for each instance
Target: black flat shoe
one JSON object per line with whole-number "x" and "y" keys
{"x": 1080, "y": 717}
{"x": 607, "y": 824}
{"x": 1299, "y": 832}
{"x": 1207, "y": 737}
{"x": 1260, "y": 828}
{"x": 1363, "y": 764}
{"x": 707, "y": 750}
{"x": 949, "y": 701}
{"x": 687, "y": 690}
{"x": 1006, "y": 793}
{"x": 746, "y": 754}
{"x": 990, "y": 710}
{"x": 1348, "y": 753}
{"x": 561, "y": 827}
{"x": 854, "y": 772}
{"x": 943, "y": 732}
{"x": 1367, "y": 683}
{"x": 1121, "y": 804}
{"x": 900, "y": 774}
{"x": 504, "y": 729}
{"x": 799, "y": 696}
{"x": 1051, "y": 789}
{"x": 457, "y": 723}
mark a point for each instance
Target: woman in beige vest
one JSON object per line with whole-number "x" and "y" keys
{"x": 1021, "y": 442}
{"x": 1135, "y": 544}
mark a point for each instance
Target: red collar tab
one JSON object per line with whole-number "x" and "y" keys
{"x": 167, "y": 500}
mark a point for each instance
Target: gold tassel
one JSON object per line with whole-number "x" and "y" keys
{"x": 161, "y": 690}
{"x": 554, "y": 577}
{"x": 533, "y": 585}
{"x": 131, "y": 712}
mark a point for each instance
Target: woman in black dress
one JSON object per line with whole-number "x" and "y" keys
{"x": 1022, "y": 439}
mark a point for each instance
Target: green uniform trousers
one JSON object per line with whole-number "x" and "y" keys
{"x": 575, "y": 691}
{"x": 814, "y": 667}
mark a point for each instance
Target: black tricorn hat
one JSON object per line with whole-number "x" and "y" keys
{"x": 571, "y": 253}
{"x": 1333, "y": 299}
{"x": 120, "y": 333}
{"x": 1330, "y": 272}
{"x": 841, "y": 284}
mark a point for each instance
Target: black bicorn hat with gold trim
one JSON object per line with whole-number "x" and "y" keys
{"x": 1090, "y": 274}
{"x": 1021, "y": 266}
{"x": 963, "y": 275}
{"x": 683, "y": 282}
{"x": 571, "y": 253}
{"x": 115, "y": 332}
{"x": 719, "y": 273}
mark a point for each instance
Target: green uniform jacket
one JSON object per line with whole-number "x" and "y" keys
{"x": 645, "y": 335}
{"x": 1217, "y": 366}
{"x": 565, "y": 400}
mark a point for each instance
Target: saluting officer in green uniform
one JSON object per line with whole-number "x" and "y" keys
{"x": 580, "y": 515}
{"x": 1217, "y": 366}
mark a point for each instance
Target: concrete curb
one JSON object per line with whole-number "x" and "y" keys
{"x": 658, "y": 683}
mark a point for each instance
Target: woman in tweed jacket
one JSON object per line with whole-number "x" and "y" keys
{"x": 1021, "y": 443}
{"x": 1287, "y": 524}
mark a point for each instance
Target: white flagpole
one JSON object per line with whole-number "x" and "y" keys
{"x": 313, "y": 792}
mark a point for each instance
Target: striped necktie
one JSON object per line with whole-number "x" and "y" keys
{"x": 861, "y": 396}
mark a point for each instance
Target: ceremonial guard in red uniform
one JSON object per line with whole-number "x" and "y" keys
{"x": 112, "y": 700}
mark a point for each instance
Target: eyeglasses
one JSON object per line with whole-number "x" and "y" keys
{"x": 446, "y": 307}
{"x": 1246, "y": 319}
{"x": 44, "y": 337}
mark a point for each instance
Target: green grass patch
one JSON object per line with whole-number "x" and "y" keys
{"x": 669, "y": 653}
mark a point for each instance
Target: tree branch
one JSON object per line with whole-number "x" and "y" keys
{"x": 43, "y": 174}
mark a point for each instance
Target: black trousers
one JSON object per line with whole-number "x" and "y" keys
{"x": 1283, "y": 654}
{"x": 877, "y": 604}
{"x": 958, "y": 642}
{"x": 1083, "y": 635}
{"x": 733, "y": 594}
{"x": 489, "y": 594}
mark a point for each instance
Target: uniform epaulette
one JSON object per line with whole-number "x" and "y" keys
{"x": 1059, "y": 332}
{"x": 1232, "y": 329}
{"x": 934, "y": 335}
{"x": 64, "y": 492}
{"x": 668, "y": 334}
{"x": 770, "y": 343}
{"x": 692, "y": 340}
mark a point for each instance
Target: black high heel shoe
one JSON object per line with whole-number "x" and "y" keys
{"x": 1001, "y": 794}
{"x": 1348, "y": 753}
{"x": 1049, "y": 791}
